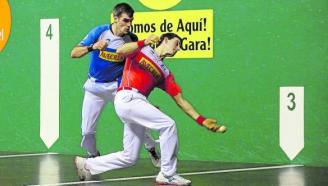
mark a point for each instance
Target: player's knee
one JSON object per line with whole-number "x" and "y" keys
{"x": 170, "y": 122}
{"x": 131, "y": 159}
{"x": 170, "y": 127}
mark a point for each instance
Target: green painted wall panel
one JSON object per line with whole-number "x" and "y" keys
{"x": 258, "y": 47}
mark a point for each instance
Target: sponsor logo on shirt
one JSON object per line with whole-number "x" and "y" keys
{"x": 110, "y": 56}
{"x": 150, "y": 67}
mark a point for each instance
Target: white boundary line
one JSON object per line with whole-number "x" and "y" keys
{"x": 242, "y": 169}
{"x": 27, "y": 155}
{"x": 190, "y": 173}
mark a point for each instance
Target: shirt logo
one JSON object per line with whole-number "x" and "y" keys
{"x": 110, "y": 56}
{"x": 150, "y": 67}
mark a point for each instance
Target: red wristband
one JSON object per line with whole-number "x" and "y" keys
{"x": 141, "y": 43}
{"x": 200, "y": 120}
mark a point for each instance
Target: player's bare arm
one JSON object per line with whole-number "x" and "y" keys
{"x": 210, "y": 124}
{"x": 185, "y": 106}
{"x": 129, "y": 48}
{"x": 80, "y": 51}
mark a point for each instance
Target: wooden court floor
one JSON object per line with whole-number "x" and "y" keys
{"x": 56, "y": 169}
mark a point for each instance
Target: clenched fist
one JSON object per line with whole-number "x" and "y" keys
{"x": 212, "y": 125}
{"x": 100, "y": 45}
{"x": 151, "y": 39}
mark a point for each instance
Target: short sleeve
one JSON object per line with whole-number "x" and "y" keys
{"x": 93, "y": 35}
{"x": 170, "y": 86}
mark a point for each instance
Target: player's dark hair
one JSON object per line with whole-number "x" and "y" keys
{"x": 123, "y": 8}
{"x": 169, "y": 36}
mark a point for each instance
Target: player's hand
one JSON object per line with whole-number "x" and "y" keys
{"x": 100, "y": 45}
{"x": 212, "y": 125}
{"x": 151, "y": 39}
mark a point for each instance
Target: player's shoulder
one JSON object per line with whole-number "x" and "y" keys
{"x": 100, "y": 28}
{"x": 150, "y": 52}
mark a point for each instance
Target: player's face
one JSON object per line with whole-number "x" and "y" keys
{"x": 172, "y": 47}
{"x": 124, "y": 23}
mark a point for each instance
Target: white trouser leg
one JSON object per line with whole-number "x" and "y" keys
{"x": 134, "y": 108}
{"x": 96, "y": 96}
{"x": 149, "y": 140}
{"x": 91, "y": 109}
{"x": 132, "y": 140}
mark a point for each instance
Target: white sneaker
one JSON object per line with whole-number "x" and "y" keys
{"x": 83, "y": 173}
{"x": 172, "y": 180}
{"x": 154, "y": 157}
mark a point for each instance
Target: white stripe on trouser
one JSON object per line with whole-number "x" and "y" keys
{"x": 96, "y": 97}
{"x": 137, "y": 115}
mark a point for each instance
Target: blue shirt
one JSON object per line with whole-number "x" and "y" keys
{"x": 107, "y": 65}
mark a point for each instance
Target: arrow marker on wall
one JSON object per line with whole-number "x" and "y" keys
{"x": 49, "y": 87}
{"x": 291, "y": 127}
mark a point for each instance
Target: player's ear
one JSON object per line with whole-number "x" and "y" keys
{"x": 115, "y": 19}
{"x": 166, "y": 40}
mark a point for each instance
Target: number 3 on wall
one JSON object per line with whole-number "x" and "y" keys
{"x": 291, "y": 120}
{"x": 292, "y": 105}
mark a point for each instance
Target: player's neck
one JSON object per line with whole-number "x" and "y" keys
{"x": 116, "y": 30}
{"x": 160, "y": 51}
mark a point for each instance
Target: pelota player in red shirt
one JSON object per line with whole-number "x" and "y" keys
{"x": 144, "y": 70}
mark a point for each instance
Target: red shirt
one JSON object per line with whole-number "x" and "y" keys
{"x": 145, "y": 70}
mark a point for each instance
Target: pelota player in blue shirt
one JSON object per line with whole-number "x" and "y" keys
{"x": 105, "y": 72}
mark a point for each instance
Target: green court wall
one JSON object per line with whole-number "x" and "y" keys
{"x": 259, "y": 46}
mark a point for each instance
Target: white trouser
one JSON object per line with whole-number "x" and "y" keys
{"x": 96, "y": 96}
{"x": 138, "y": 115}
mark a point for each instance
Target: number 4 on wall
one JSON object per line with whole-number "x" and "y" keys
{"x": 49, "y": 32}
{"x": 291, "y": 120}
{"x": 49, "y": 81}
